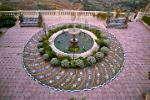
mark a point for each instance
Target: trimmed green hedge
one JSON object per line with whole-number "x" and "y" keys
{"x": 7, "y": 21}
{"x": 146, "y": 19}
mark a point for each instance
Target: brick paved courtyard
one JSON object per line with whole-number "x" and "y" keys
{"x": 130, "y": 84}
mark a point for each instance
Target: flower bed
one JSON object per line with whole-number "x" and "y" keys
{"x": 77, "y": 78}
{"x": 67, "y": 62}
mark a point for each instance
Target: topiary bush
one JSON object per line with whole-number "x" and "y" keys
{"x": 106, "y": 42}
{"x": 103, "y": 36}
{"x": 103, "y": 42}
{"x": 99, "y": 55}
{"x": 41, "y": 50}
{"x": 104, "y": 50}
{"x": 70, "y": 26}
{"x": 54, "y": 62}
{"x": 51, "y": 54}
{"x": 46, "y": 56}
{"x": 79, "y": 63}
{"x": 65, "y": 63}
{"x": 72, "y": 63}
{"x": 42, "y": 38}
{"x": 79, "y": 26}
{"x": 40, "y": 44}
{"x": 91, "y": 60}
{"x": 100, "y": 42}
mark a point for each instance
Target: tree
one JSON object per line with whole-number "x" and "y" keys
{"x": 137, "y": 4}
{"x": 21, "y": 17}
{"x": 40, "y": 22}
{"x": 117, "y": 13}
{"x": 5, "y": 8}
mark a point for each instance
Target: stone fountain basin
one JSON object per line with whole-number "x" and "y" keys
{"x": 58, "y": 52}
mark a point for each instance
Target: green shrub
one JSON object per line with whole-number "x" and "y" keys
{"x": 106, "y": 42}
{"x": 70, "y": 26}
{"x": 74, "y": 49}
{"x": 41, "y": 50}
{"x": 103, "y": 36}
{"x": 102, "y": 16}
{"x": 83, "y": 98}
{"x": 46, "y": 45}
{"x": 98, "y": 34}
{"x": 6, "y": 8}
{"x": 40, "y": 44}
{"x": 91, "y": 60}
{"x": 79, "y": 26}
{"x": 54, "y": 30}
{"x": 21, "y": 17}
{"x": 146, "y": 19}
{"x": 79, "y": 63}
{"x": 72, "y": 63}
{"x": 73, "y": 98}
{"x": 42, "y": 38}
{"x": 99, "y": 55}
{"x": 66, "y": 57}
{"x": 49, "y": 34}
{"x": 54, "y": 62}
{"x": 82, "y": 58}
{"x": 65, "y": 63}
{"x": 104, "y": 50}
{"x": 100, "y": 42}
{"x": 94, "y": 30}
{"x": 51, "y": 54}
{"x": 7, "y": 20}
{"x": 103, "y": 42}
{"x": 46, "y": 56}
{"x": 64, "y": 27}
{"x": 40, "y": 22}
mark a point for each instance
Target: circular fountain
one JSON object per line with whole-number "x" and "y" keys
{"x": 73, "y": 42}
{"x": 70, "y": 79}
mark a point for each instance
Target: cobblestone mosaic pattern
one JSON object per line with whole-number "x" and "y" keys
{"x": 62, "y": 79}
{"x": 130, "y": 84}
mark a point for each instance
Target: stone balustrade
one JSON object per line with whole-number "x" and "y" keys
{"x": 68, "y": 13}
{"x": 56, "y": 12}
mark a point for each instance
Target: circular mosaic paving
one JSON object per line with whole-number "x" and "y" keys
{"x": 58, "y": 78}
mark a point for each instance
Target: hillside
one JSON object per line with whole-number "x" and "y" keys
{"x": 37, "y": 4}
{"x": 72, "y": 4}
